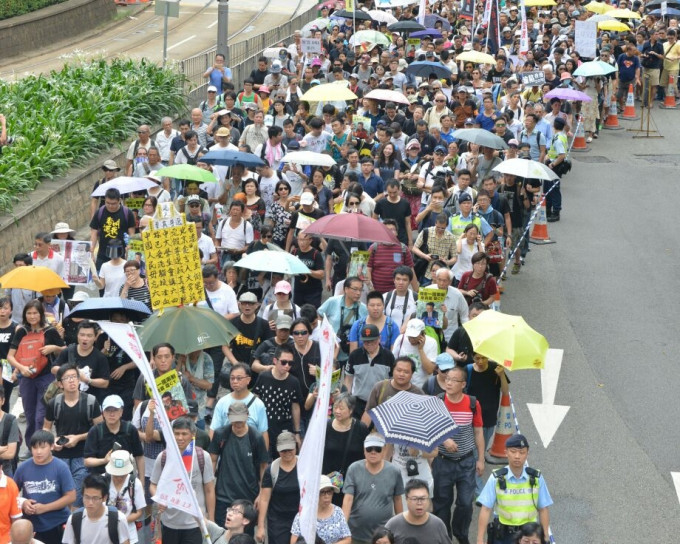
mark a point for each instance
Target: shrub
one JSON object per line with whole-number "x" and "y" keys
{"x": 12, "y": 8}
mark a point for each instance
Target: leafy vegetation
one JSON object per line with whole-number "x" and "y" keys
{"x": 63, "y": 119}
{"x": 12, "y": 8}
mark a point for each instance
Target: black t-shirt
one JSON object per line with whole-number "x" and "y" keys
{"x": 278, "y": 397}
{"x": 496, "y": 76}
{"x": 265, "y": 351}
{"x": 116, "y": 358}
{"x": 400, "y": 212}
{"x": 6, "y": 335}
{"x": 285, "y": 500}
{"x": 100, "y": 441}
{"x": 512, "y": 197}
{"x": 314, "y": 261}
{"x": 111, "y": 226}
{"x": 96, "y": 360}
{"x": 258, "y": 76}
{"x": 460, "y": 343}
{"x": 486, "y": 386}
{"x": 300, "y": 368}
{"x": 72, "y": 420}
{"x": 250, "y": 336}
{"x": 102, "y": 200}
{"x": 336, "y": 443}
{"x": 339, "y": 253}
{"x": 316, "y": 213}
{"x": 52, "y": 338}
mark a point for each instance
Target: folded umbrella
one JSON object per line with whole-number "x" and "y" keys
{"x": 228, "y": 157}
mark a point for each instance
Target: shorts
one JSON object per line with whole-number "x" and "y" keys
{"x": 653, "y": 74}
{"x": 664, "y": 77}
{"x": 622, "y": 91}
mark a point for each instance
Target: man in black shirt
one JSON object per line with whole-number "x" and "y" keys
{"x": 260, "y": 73}
{"x": 308, "y": 287}
{"x": 110, "y": 222}
{"x": 397, "y": 208}
{"x": 652, "y": 60}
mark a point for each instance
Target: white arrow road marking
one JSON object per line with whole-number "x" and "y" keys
{"x": 676, "y": 481}
{"x": 547, "y": 419}
{"x": 550, "y": 375}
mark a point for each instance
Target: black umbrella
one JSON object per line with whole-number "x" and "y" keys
{"x": 358, "y": 15}
{"x": 405, "y": 26}
{"x": 657, "y": 3}
{"x": 101, "y": 308}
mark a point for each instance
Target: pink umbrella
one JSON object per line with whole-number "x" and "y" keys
{"x": 565, "y": 93}
{"x": 351, "y": 227}
{"x": 387, "y": 96}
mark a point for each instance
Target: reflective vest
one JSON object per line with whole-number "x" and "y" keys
{"x": 458, "y": 223}
{"x": 552, "y": 152}
{"x": 517, "y": 503}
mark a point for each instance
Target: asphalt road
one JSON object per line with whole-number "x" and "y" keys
{"x": 605, "y": 294}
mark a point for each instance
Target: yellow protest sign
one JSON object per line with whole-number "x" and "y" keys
{"x": 173, "y": 265}
{"x": 174, "y": 399}
{"x": 349, "y": 5}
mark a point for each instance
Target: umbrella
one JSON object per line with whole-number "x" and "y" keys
{"x": 594, "y": 68}
{"x": 388, "y": 4}
{"x": 351, "y": 227}
{"x": 101, "y": 308}
{"x": 327, "y": 92}
{"x": 308, "y": 158}
{"x": 387, "y": 96}
{"x": 187, "y": 328}
{"x": 273, "y": 52}
{"x": 624, "y": 14}
{"x": 481, "y": 137}
{"x": 477, "y": 57}
{"x": 614, "y": 26}
{"x": 431, "y": 19}
{"x": 382, "y": 16}
{"x": 600, "y": 18}
{"x": 657, "y": 3}
{"x": 370, "y": 36}
{"x": 530, "y": 3}
{"x": 345, "y": 14}
{"x": 669, "y": 11}
{"x": 428, "y": 32}
{"x": 32, "y": 278}
{"x": 280, "y": 262}
{"x": 425, "y": 67}
{"x": 405, "y": 26}
{"x": 187, "y": 171}
{"x": 317, "y": 24}
{"x": 227, "y": 157}
{"x": 125, "y": 185}
{"x": 507, "y": 339}
{"x": 526, "y": 169}
{"x": 568, "y": 94}
{"x": 599, "y": 7}
{"x": 418, "y": 421}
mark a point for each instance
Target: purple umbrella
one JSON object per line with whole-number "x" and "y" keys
{"x": 431, "y": 19}
{"x": 568, "y": 94}
{"x": 431, "y": 32}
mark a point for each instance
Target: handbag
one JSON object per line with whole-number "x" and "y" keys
{"x": 495, "y": 251}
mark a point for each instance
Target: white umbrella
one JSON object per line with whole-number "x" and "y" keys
{"x": 382, "y": 16}
{"x": 273, "y": 52}
{"x": 125, "y": 185}
{"x": 308, "y": 158}
{"x": 526, "y": 169}
{"x": 387, "y": 96}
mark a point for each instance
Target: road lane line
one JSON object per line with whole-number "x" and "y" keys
{"x": 182, "y": 42}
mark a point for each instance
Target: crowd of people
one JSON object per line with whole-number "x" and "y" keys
{"x": 93, "y": 450}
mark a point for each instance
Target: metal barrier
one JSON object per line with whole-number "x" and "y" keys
{"x": 243, "y": 55}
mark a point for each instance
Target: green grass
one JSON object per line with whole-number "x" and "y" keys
{"x": 12, "y": 8}
{"x": 65, "y": 118}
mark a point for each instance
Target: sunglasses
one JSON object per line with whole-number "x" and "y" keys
{"x": 299, "y": 333}
{"x": 374, "y": 449}
{"x": 285, "y": 362}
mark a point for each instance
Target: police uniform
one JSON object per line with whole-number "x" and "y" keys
{"x": 516, "y": 501}
{"x": 559, "y": 146}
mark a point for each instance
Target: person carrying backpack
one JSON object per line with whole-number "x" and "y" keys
{"x": 72, "y": 414}
{"x": 10, "y": 440}
{"x": 126, "y": 492}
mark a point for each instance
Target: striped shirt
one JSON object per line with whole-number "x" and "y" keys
{"x": 383, "y": 260}
{"x": 462, "y": 415}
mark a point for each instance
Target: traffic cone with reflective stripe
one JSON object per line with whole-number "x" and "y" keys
{"x": 669, "y": 100}
{"x": 579, "y": 143}
{"x": 629, "y": 110}
{"x": 504, "y": 427}
{"x": 539, "y": 232}
{"x": 612, "y": 120}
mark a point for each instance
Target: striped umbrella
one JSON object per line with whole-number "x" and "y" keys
{"x": 418, "y": 421}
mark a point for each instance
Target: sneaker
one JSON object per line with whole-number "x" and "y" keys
{"x": 554, "y": 218}
{"x": 515, "y": 268}
{"x": 522, "y": 261}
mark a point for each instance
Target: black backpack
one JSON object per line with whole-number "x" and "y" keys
{"x": 8, "y": 421}
{"x": 77, "y": 523}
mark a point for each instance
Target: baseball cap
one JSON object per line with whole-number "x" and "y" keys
{"x": 193, "y": 198}
{"x": 440, "y": 148}
{"x": 517, "y": 441}
{"x": 316, "y": 62}
{"x": 284, "y": 321}
{"x": 212, "y": 89}
{"x": 223, "y": 132}
{"x": 275, "y": 67}
{"x": 285, "y": 441}
{"x": 293, "y": 144}
{"x": 444, "y": 362}
{"x": 238, "y": 412}
{"x": 247, "y": 297}
{"x": 282, "y": 287}
{"x": 415, "y": 328}
{"x": 369, "y": 332}
{"x": 112, "y": 401}
{"x": 513, "y": 143}
{"x": 374, "y": 439}
{"x": 306, "y": 198}
{"x": 464, "y": 197}
{"x": 111, "y": 166}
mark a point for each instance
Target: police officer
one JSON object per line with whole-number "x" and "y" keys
{"x": 517, "y": 492}
{"x": 556, "y": 161}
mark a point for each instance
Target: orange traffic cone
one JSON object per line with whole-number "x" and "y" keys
{"x": 669, "y": 100}
{"x": 579, "y": 143}
{"x": 504, "y": 426}
{"x": 539, "y": 232}
{"x": 629, "y": 110}
{"x": 612, "y": 120}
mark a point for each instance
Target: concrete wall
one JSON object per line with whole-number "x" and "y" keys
{"x": 52, "y": 24}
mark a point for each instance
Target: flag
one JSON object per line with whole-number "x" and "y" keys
{"x": 311, "y": 455}
{"x": 467, "y": 9}
{"x": 524, "y": 37}
{"x": 188, "y": 456}
{"x": 422, "y": 8}
{"x": 493, "y": 39}
{"x": 174, "y": 488}
{"x": 487, "y": 13}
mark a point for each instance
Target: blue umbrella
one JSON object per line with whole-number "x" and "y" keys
{"x": 418, "y": 421}
{"x": 431, "y": 32}
{"x": 669, "y": 11}
{"x": 101, "y": 308}
{"x": 227, "y": 157}
{"x": 425, "y": 67}
{"x": 431, "y": 19}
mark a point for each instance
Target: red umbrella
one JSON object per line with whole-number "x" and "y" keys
{"x": 351, "y": 227}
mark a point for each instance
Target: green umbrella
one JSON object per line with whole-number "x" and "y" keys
{"x": 187, "y": 328}
{"x": 187, "y": 171}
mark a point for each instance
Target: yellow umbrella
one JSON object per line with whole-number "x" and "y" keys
{"x": 599, "y": 7}
{"x": 614, "y": 26}
{"x": 508, "y": 340}
{"x": 34, "y": 278}
{"x": 624, "y": 14}
{"x": 329, "y": 92}
{"x": 477, "y": 57}
{"x": 530, "y": 3}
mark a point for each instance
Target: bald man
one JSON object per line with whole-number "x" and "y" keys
{"x": 22, "y": 533}
{"x": 143, "y": 140}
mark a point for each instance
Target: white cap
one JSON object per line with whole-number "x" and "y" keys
{"x": 415, "y": 328}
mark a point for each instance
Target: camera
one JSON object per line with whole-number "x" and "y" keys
{"x": 412, "y": 468}
{"x": 62, "y": 441}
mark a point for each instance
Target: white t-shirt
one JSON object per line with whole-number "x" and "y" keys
{"x": 114, "y": 275}
{"x": 96, "y": 531}
{"x": 394, "y": 306}
{"x": 163, "y": 143}
{"x": 56, "y": 263}
{"x": 223, "y": 300}
{"x": 317, "y": 144}
{"x": 402, "y": 347}
{"x": 236, "y": 238}
{"x": 123, "y": 502}
{"x": 429, "y": 178}
{"x": 206, "y": 245}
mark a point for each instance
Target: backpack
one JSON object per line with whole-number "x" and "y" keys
{"x": 77, "y": 522}
{"x": 130, "y": 489}
{"x": 274, "y": 469}
{"x": 126, "y": 213}
{"x": 480, "y": 289}
{"x": 138, "y": 143}
{"x": 8, "y": 420}
{"x": 199, "y": 455}
{"x": 252, "y": 439}
{"x": 192, "y": 160}
{"x": 86, "y": 403}
{"x": 264, "y": 147}
{"x": 473, "y": 402}
{"x": 28, "y": 351}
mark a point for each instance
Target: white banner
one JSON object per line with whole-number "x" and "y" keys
{"x": 311, "y": 455}
{"x": 585, "y": 38}
{"x": 310, "y": 45}
{"x": 524, "y": 37}
{"x": 175, "y": 492}
{"x": 487, "y": 13}
{"x": 422, "y": 9}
